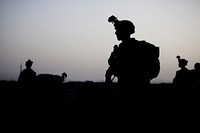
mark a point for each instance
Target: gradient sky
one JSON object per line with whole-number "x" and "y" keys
{"x": 74, "y": 35}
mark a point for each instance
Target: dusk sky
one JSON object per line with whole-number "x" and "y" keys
{"x": 74, "y": 36}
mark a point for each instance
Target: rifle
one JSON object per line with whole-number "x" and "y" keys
{"x": 111, "y": 71}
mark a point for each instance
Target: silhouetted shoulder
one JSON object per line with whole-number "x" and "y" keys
{"x": 27, "y": 76}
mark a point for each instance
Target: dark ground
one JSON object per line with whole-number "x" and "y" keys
{"x": 94, "y": 93}
{"x": 161, "y": 108}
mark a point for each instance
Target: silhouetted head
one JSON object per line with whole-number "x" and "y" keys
{"x": 29, "y": 63}
{"x": 64, "y": 74}
{"x": 124, "y": 28}
{"x": 181, "y": 62}
{"x": 197, "y": 66}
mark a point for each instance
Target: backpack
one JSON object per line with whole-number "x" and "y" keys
{"x": 152, "y": 55}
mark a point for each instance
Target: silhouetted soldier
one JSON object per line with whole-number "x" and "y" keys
{"x": 182, "y": 76}
{"x": 196, "y": 75}
{"x": 27, "y": 84}
{"x": 27, "y": 77}
{"x": 136, "y": 61}
{"x": 195, "y": 83}
{"x": 183, "y": 80}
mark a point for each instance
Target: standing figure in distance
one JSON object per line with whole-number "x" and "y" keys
{"x": 196, "y": 75}
{"x": 182, "y": 76}
{"x": 27, "y": 77}
{"x": 183, "y": 80}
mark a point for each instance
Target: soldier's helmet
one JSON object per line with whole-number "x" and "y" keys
{"x": 29, "y": 63}
{"x": 197, "y": 66}
{"x": 122, "y": 25}
{"x": 182, "y": 62}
